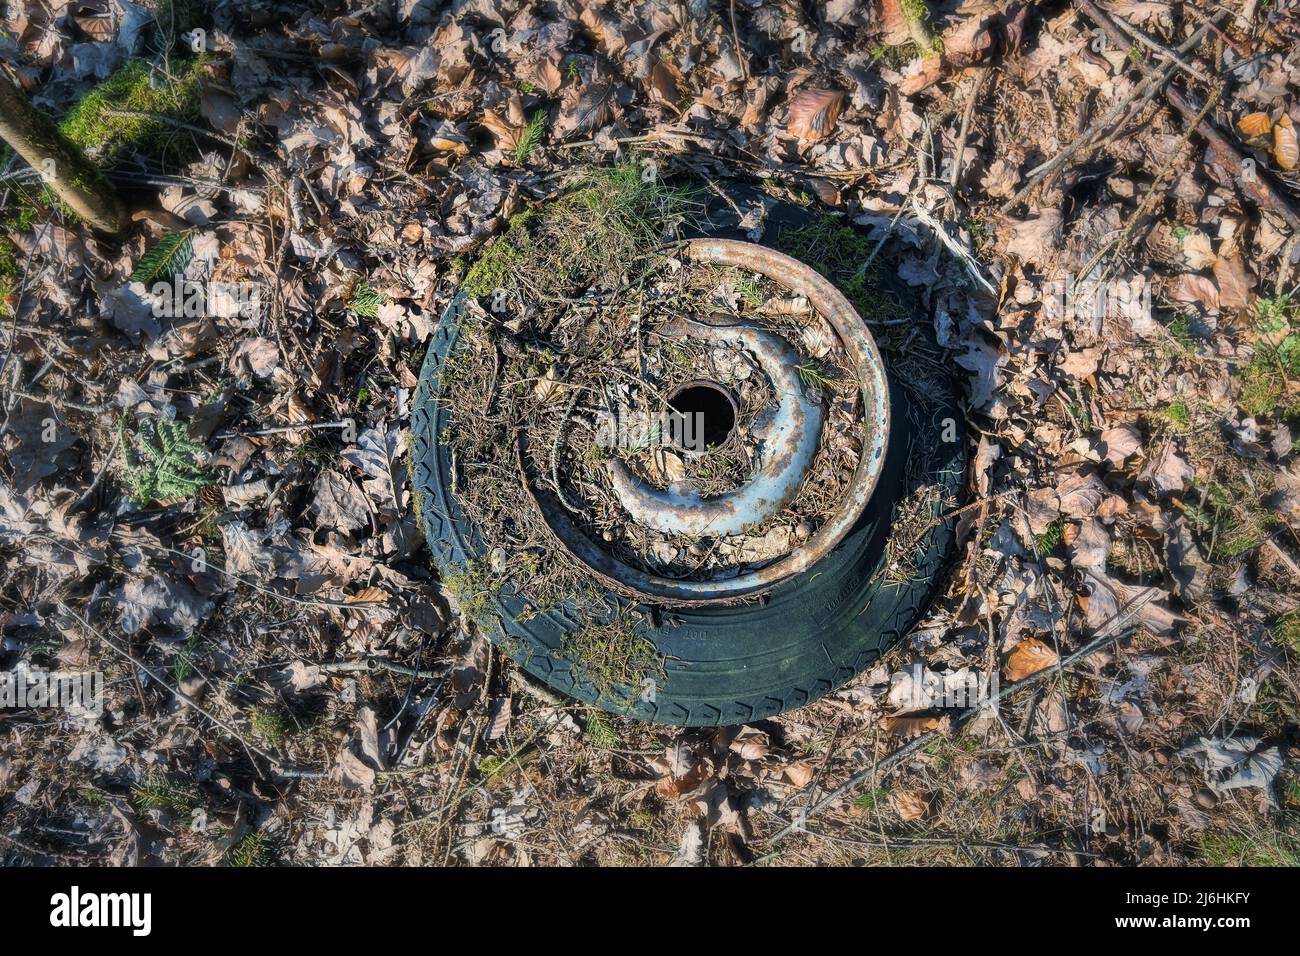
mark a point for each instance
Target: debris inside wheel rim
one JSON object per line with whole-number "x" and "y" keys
{"x": 694, "y": 423}
{"x": 787, "y": 432}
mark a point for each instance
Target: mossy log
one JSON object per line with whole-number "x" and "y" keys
{"x": 62, "y": 165}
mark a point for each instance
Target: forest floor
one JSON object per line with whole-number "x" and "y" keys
{"x": 286, "y": 678}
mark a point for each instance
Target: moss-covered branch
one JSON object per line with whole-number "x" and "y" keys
{"x": 63, "y": 166}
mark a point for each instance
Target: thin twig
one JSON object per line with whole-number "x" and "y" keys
{"x": 966, "y": 117}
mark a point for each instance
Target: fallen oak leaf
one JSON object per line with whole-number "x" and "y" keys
{"x": 1236, "y": 283}
{"x": 1119, "y": 444}
{"x": 909, "y": 805}
{"x": 799, "y": 773}
{"x": 1192, "y": 289}
{"x": 508, "y": 129}
{"x": 1286, "y": 148}
{"x": 1028, "y": 658}
{"x": 1254, "y": 124}
{"x": 813, "y": 114}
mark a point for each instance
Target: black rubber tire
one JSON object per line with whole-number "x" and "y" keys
{"x": 728, "y": 665}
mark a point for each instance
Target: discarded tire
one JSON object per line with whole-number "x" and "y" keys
{"x": 724, "y": 658}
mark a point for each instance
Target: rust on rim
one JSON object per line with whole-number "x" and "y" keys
{"x": 859, "y": 348}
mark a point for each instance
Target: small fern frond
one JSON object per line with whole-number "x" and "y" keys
{"x": 165, "y": 258}
{"x": 160, "y": 462}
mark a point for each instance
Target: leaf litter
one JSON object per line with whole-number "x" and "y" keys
{"x": 321, "y": 692}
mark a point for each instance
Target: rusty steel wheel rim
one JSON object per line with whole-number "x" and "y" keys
{"x": 859, "y": 348}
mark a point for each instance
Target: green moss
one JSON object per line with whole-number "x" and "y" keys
{"x": 93, "y": 125}
{"x": 837, "y": 250}
{"x": 1263, "y": 384}
{"x": 30, "y": 205}
{"x": 1180, "y": 329}
{"x": 473, "y": 587}
{"x": 1287, "y": 632}
{"x": 895, "y": 57}
{"x": 617, "y": 659}
{"x": 499, "y": 259}
{"x": 270, "y": 724}
{"x": 1267, "y": 847}
{"x": 1178, "y": 415}
{"x": 914, "y": 8}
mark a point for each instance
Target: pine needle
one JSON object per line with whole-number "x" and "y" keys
{"x": 165, "y": 258}
{"x": 366, "y": 300}
{"x": 531, "y": 136}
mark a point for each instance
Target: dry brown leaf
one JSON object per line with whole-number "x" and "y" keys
{"x": 1082, "y": 363}
{"x": 1118, "y": 444}
{"x": 1286, "y": 149}
{"x": 663, "y": 84}
{"x": 909, "y": 805}
{"x": 368, "y": 596}
{"x": 1027, "y": 658}
{"x": 1236, "y": 283}
{"x": 799, "y": 773}
{"x": 1195, "y": 290}
{"x": 1035, "y": 237}
{"x": 750, "y": 744}
{"x": 1254, "y": 124}
{"x": 220, "y": 110}
{"x": 547, "y": 75}
{"x": 910, "y": 726}
{"x": 1198, "y": 250}
{"x": 506, "y": 133}
{"x": 813, "y": 114}
{"x": 585, "y": 109}
{"x": 97, "y": 21}
{"x": 675, "y": 788}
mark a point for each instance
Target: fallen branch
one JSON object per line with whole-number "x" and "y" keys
{"x": 1117, "y": 115}
{"x": 1126, "y": 28}
{"x": 61, "y": 164}
{"x": 1258, "y": 185}
{"x": 371, "y": 664}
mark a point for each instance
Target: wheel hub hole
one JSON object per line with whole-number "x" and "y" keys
{"x": 707, "y": 416}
